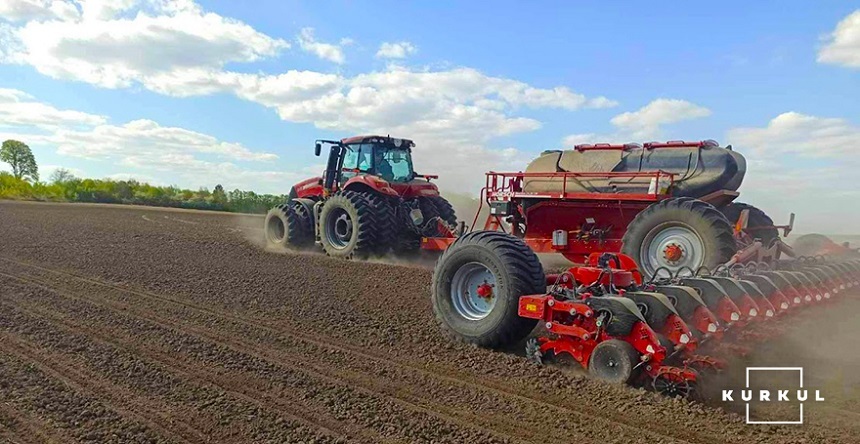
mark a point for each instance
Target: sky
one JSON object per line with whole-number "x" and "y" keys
{"x": 200, "y": 93}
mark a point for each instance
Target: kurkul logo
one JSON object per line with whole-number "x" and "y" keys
{"x": 748, "y": 395}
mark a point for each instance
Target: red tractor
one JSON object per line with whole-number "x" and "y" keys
{"x": 368, "y": 201}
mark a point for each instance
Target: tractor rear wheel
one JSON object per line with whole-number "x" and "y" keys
{"x": 759, "y": 224}
{"x": 477, "y": 284}
{"x": 444, "y": 210}
{"x": 348, "y": 225}
{"x": 677, "y": 233}
{"x": 613, "y": 361}
{"x": 285, "y": 227}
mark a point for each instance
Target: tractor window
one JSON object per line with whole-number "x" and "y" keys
{"x": 358, "y": 157}
{"x": 395, "y": 165}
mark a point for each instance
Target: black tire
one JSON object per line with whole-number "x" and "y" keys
{"x": 284, "y": 228}
{"x": 348, "y": 225}
{"x": 713, "y": 234}
{"x": 445, "y": 210}
{"x": 613, "y": 361}
{"x": 516, "y": 271}
{"x": 757, "y": 218}
{"x": 406, "y": 241}
{"x": 385, "y": 223}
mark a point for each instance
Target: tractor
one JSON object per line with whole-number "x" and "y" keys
{"x": 369, "y": 201}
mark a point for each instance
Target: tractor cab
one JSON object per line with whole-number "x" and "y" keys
{"x": 385, "y": 157}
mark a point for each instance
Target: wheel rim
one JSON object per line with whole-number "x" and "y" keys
{"x": 671, "y": 386}
{"x": 276, "y": 229}
{"x": 473, "y": 291}
{"x": 339, "y": 228}
{"x": 673, "y": 247}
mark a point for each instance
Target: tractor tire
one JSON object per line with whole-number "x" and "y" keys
{"x": 757, "y": 218}
{"x": 613, "y": 361}
{"x": 445, "y": 210}
{"x": 385, "y": 223}
{"x": 348, "y": 225}
{"x": 284, "y": 228}
{"x": 502, "y": 262}
{"x": 406, "y": 241}
{"x": 696, "y": 232}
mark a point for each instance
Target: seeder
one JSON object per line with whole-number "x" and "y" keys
{"x": 674, "y": 278}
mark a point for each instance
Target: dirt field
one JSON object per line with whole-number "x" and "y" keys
{"x": 134, "y": 325}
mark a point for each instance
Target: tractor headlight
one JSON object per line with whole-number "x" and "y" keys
{"x": 753, "y": 313}
{"x": 769, "y": 313}
{"x": 735, "y": 316}
{"x": 797, "y": 300}
{"x": 684, "y": 338}
{"x": 784, "y": 306}
{"x": 712, "y": 327}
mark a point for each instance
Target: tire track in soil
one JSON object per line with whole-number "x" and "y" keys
{"x": 558, "y": 431}
{"x": 18, "y": 427}
{"x": 92, "y": 385}
{"x": 72, "y": 326}
{"x": 45, "y": 394}
{"x": 190, "y": 372}
{"x": 609, "y": 419}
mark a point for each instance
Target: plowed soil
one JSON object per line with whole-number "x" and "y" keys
{"x": 137, "y": 325}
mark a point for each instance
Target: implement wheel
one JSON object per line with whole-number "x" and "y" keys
{"x": 759, "y": 225}
{"x": 613, "y": 361}
{"x": 677, "y": 233}
{"x": 477, "y": 284}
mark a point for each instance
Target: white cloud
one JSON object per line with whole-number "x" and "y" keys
{"x": 27, "y": 10}
{"x": 842, "y": 46}
{"x": 398, "y": 50}
{"x": 19, "y": 109}
{"x": 325, "y": 51}
{"x": 645, "y": 123}
{"x": 809, "y": 159}
{"x": 175, "y": 48}
{"x": 176, "y": 155}
{"x": 803, "y": 135}
{"x": 116, "y": 52}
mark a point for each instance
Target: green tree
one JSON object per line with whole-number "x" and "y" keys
{"x": 62, "y": 175}
{"x": 18, "y": 155}
{"x": 219, "y": 196}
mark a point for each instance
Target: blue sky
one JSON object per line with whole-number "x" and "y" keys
{"x": 194, "y": 94}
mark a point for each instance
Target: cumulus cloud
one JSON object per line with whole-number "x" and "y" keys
{"x": 175, "y": 48}
{"x": 115, "y": 52}
{"x": 325, "y": 51}
{"x": 19, "y": 109}
{"x": 803, "y": 135}
{"x": 397, "y": 50}
{"x": 842, "y": 46}
{"x": 809, "y": 158}
{"x": 151, "y": 149}
{"x": 27, "y": 10}
{"x": 645, "y": 123}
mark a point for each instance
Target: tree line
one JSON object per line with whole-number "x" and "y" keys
{"x": 24, "y": 184}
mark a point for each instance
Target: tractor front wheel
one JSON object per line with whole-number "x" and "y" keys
{"x": 287, "y": 228}
{"x": 477, "y": 284}
{"x": 678, "y": 233}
